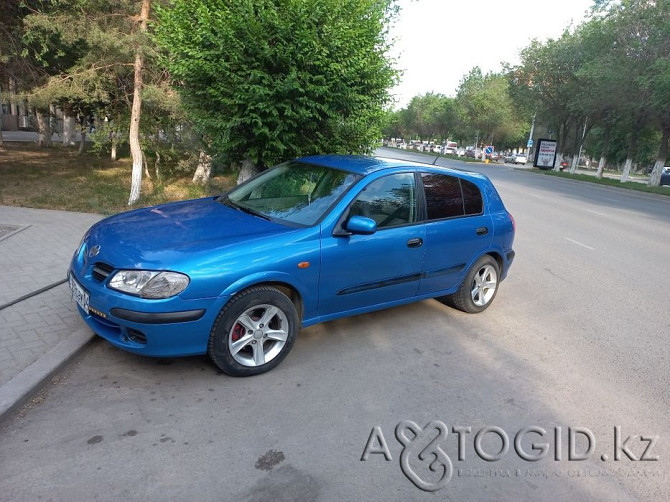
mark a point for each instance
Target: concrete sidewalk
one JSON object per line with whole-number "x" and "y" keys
{"x": 40, "y": 329}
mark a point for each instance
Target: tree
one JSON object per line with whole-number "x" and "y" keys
{"x": 547, "y": 81}
{"x": 107, "y": 51}
{"x": 136, "y": 109}
{"x": 486, "y": 109}
{"x": 430, "y": 116}
{"x": 270, "y": 80}
{"x": 10, "y": 21}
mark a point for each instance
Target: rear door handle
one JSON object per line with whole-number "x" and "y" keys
{"x": 415, "y": 243}
{"x": 482, "y": 231}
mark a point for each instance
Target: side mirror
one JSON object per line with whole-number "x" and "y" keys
{"x": 361, "y": 225}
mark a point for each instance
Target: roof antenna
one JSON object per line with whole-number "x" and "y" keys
{"x": 435, "y": 160}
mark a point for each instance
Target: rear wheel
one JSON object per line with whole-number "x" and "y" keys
{"x": 479, "y": 287}
{"x": 254, "y": 332}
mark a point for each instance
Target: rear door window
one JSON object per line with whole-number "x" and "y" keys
{"x": 450, "y": 197}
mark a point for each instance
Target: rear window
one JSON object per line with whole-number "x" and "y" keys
{"x": 449, "y": 197}
{"x": 472, "y": 198}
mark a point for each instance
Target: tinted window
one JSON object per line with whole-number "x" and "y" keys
{"x": 390, "y": 201}
{"x": 472, "y": 198}
{"x": 443, "y": 196}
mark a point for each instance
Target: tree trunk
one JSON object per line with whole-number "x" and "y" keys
{"x": 114, "y": 144}
{"x": 157, "y": 167}
{"x": 43, "y": 129}
{"x": 625, "y": 175}
{"x": 655, "y": 178}
{"x": 573, "y": 165}
{"x": 146, "y": 166}
{"x": 557, "y": 162}
{"x": 68, "y": 129}
{"x": 603, "y": 154}
{"x": 82, "y": 141}
{"x": 204, "y": 170}
{"x": 247, "y": 171}
{"x": 134, "y": 136}
{"x": 579, "y": 146}
{"x": 632, "y": 148}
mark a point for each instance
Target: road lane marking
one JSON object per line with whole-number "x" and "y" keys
{"x": 579, "y": 244}
{"x": 536, "y": 196}
{"x": 596, "y": 212}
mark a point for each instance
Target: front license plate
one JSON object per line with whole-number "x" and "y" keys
{"x": 79, "y": 293}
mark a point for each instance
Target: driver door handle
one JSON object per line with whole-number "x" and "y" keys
{"x": 415, "y": 243}
{"x": 482, "y": 231}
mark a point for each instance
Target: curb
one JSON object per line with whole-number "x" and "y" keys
{"x": 21, "y": 387}
{"x": 631, "y": 192}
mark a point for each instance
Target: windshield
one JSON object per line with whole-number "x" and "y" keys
{"x": 294, "y": 192}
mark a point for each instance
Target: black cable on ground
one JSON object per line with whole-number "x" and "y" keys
{"x": 34, "y": 293}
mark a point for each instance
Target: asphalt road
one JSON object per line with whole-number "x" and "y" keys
{"x": 575, "y": 345}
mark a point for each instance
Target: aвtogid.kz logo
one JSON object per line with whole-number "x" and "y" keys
{"x": 426, "y": 464}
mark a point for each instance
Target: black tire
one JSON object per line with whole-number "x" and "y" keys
{"x": 473, "y": 299}
{"x": 261, "y": 323}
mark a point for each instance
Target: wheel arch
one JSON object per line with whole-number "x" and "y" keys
{"x": 498, "y": 258}
{"x": 292, "y": 292}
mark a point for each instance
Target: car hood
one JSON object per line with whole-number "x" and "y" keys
{"x": 161, "y": 237}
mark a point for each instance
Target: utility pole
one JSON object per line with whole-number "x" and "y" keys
{"x": 529, "y": 145}
{"x": 574, "y": 165}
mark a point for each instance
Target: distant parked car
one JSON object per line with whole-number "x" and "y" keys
{"x": 517, "y": 158}
{"x": 665, "y": 176}
{"x": 470, "y": 154}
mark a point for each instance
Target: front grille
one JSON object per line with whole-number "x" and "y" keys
{"x": 101, "y": 271}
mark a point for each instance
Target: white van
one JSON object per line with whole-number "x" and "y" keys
{"x": 451, "y": 148}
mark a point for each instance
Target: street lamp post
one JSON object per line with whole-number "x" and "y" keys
{"x": 530, "y": 136}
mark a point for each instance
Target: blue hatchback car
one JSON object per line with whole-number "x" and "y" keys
{"x": 310, "y": 240}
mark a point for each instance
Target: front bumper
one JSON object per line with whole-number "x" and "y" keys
{"x": 159, "y": 328}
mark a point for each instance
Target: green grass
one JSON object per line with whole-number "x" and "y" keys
{"x": 56, "y": 178}
{"x": 630, "y": 185}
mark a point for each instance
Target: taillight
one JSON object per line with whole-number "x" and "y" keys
{"x": 511, "y": 218}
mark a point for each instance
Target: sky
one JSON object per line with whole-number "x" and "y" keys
{"x": 438, "y": 42}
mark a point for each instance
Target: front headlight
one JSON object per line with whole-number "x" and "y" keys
{"x": 149, "y": 284}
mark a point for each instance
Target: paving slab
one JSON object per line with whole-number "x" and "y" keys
{"x": 40, "y": 329}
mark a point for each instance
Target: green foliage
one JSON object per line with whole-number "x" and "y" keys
{"x": 84, "y": 47}
{"x": 613, "y": 69}
{"x": 431, "y": 116}
{"x": 271, "y": 80}
{"x": 485, "y": 107}
{"x": 547, "y": 82}
{"x": 106, "y": 134}
{"x": 86, "y": 51}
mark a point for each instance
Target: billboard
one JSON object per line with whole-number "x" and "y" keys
{"x": 545, "y": 154}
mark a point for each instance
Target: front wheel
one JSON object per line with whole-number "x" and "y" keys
{"x": 479, "y": 287}
{"x": 254, "y": 332}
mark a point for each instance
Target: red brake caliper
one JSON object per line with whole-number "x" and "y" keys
{"x": 238, "y": 332}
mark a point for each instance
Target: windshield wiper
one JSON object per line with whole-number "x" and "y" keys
{"x": 244, "y": 209}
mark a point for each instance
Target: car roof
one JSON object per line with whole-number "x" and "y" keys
{"x": 363, "y": 165}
